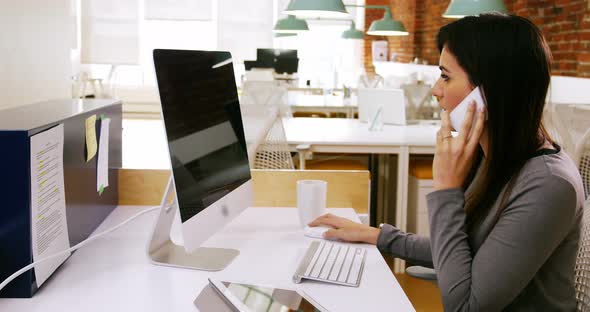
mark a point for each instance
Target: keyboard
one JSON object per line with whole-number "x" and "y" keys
{"x": 330, "y": 262}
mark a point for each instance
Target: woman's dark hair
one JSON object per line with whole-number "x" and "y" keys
{"x": 509, "y": 59}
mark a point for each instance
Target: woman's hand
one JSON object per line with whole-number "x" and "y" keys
{"x": 347, "y": 230}
{"x": 454, "y": 156}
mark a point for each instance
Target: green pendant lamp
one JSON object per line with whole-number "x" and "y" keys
{"x": 387, "y": 26}
{"x": 290, "y": 25}
{"x": 317, "y": 8}
{"x": 353, "y": 33}
{"x": 462, "y": 8}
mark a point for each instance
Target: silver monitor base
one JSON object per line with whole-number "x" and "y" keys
{"x": 162, "y": 251}
{"x": 203, "y": 258}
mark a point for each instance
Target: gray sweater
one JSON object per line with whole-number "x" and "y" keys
{"x": 525, "y": 262}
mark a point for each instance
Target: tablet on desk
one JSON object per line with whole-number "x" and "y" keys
{"x": 225, "y": 296}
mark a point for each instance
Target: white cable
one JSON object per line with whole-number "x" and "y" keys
{"x": 80, "y": 244}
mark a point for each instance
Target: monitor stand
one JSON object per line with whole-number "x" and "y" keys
{"x": 162, "y": 251}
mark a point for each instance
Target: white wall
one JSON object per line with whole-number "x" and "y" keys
{"x": 569, "y": 90}
{"x": 36, "y": 38}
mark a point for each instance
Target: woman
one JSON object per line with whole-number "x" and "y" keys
{"x": 505, "y": 213}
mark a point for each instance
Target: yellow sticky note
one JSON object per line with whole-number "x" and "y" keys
{"x": 91, "y": 137}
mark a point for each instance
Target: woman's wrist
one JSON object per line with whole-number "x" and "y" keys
{"x": 371, "y": 235}
{"x": 445, "y": 186}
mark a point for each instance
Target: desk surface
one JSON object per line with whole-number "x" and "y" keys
{"x": 340, "y": 131}
{"x": 114, "y": 273}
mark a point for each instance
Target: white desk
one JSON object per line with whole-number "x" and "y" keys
{"x": 342, "y": 135}
{"x": 114, "y": 274}
{"x": 338, "y": 135}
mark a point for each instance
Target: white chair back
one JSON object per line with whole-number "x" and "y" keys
{"x": 273, "y": 152}
{"x": 266, "y": 94}
{"x": 582, "y": 268}
{"x": 582, "y": 158}
{"x": 569, "y": 123}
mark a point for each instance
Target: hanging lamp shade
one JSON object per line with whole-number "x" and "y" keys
{"x": 387, "y": 26}
{"x": 353, "y": 33}
{"x": 462, "y": 8}
{"x": 280, "y": 35}
{"x": 290, "y": 25}
{"x": 317, "y": 8}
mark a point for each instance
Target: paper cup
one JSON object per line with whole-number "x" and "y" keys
{"x": 311, "y": 200}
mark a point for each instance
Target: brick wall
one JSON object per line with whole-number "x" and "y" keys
{"x": 405, "y": 46}
{"x": 430, "y": 20}
{"x": 565, "y": 24}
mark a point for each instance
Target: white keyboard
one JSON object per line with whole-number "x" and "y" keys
{"x": 333, "y": 263}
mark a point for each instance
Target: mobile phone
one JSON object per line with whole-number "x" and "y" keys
{"x": 458, "y": 113}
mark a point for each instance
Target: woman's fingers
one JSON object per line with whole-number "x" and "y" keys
{"x": 444, "y": 133}
{"x": 348, "y": 235}
{"x": 327, "y": 219}
{"x": 445, "y": 129}
{"x": 332, "y": 234}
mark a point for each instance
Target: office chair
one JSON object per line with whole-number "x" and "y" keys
{"x": 582, "y": 268}
{"x": 582, "y": 158}
{"x": 267, "y": 99}
{"x": 273, "y": 152}
{"x": 568, "y": 123}
{"x": 421, "y": 272}
{"x": 266, "y": 94}
{"x": 395, "y": 82}
{"x": 417, "y": 97}
{"x": 370, "y": 81}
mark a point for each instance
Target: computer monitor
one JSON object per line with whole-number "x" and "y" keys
{"x": 286, "y": 65}
{"x": 248, "y": 65}
{"x": 267, "y": 58}
{"x": 208, "y": 153}
{"x": 389, "y": 103}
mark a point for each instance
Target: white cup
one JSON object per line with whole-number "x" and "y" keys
{"x": 311, "y": 200}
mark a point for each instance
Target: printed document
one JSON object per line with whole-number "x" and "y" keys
{"x": 49, "y": 228}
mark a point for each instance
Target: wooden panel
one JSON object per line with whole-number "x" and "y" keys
{"x": 142, "y": 186}
{"x": 424, "y": 295}
{"x": 278, "y": 188}
{"x": 272, "y": 188}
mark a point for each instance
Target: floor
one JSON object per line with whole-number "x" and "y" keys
{"x": 424, "y": 295}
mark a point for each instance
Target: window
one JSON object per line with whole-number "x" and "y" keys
{"x": 326, "y": 60}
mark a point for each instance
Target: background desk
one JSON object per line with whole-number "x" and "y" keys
{"x": 114, "y": 273}
{"x": 324, "y": 103}
{"x": 337, "y": 135}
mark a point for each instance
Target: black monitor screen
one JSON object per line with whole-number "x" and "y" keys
{"x": 268, "y": 57}
{"x": 203, "y": 124}
{"x": 286, "y": 65}
{"x": 248, "y": 65}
